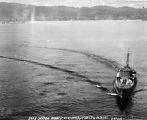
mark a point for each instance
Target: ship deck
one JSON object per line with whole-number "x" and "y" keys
{"x": 124, "y": 86}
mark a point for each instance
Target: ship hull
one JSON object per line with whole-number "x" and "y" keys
{"x": 125, "y": 81}
{"x": 125, "y": 93}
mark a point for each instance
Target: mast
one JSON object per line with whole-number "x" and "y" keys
{"x": 127, "y": 61}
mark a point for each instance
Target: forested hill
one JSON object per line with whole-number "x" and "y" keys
{"x": 15, "y": 11}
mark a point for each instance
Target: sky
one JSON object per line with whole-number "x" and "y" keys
{"x": 83, "y": 3}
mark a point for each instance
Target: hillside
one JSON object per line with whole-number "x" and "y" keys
{"x": 15, "y": 11}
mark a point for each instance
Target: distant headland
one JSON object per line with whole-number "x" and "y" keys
{"x": 14, "y": 12}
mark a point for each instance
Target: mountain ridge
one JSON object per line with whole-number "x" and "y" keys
{"x": 24, "y": 12}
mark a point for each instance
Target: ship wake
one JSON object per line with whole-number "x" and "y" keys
{"x": 101, "y": 59}
{"x": 83, "y": 77}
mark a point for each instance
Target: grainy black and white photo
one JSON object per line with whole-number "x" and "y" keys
{"x": 73, "y": 59}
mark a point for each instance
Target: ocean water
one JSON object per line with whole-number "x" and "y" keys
{"x": 52, "y": 68}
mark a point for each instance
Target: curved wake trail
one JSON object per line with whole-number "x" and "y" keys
{"x": 86, "y": 79}
{"x": 109, "y": 63}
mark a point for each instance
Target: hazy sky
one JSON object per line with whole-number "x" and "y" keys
{"x": 79, "y": 3}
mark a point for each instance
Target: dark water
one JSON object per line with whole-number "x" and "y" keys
{"x": 51, "y": 68}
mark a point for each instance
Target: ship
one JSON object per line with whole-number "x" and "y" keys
{"x": 125, "y": 81}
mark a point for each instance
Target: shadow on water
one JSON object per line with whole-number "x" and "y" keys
{"x": 124, "y": 104}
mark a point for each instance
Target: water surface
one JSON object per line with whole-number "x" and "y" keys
{"x": 51, "y": 68}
